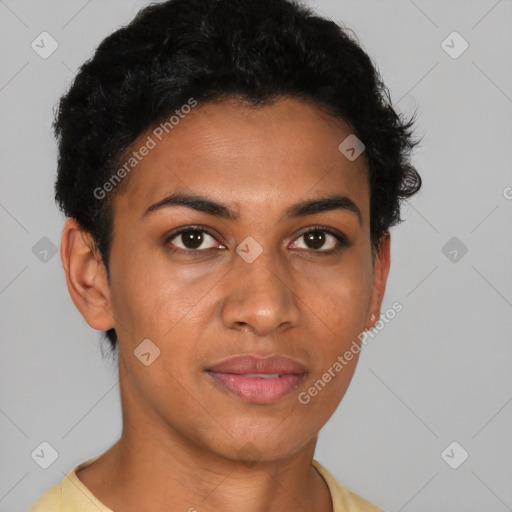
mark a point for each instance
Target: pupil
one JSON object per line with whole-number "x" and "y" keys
{"x": 315, "y": 239}
{"x": 192, "y": 239}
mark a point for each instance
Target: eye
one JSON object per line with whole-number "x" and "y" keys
{"x": 321, "y": 240}
{"x": 193, "y": 239}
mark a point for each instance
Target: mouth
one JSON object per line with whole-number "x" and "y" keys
{"x": 256, "y": 379}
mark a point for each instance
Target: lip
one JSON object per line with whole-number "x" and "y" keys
{"x": 240, "y": 375}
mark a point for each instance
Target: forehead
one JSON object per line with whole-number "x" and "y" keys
{"x": 247, "y": 157}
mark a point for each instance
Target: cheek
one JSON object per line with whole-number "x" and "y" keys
{"x": 141, "y": 296}
{"x": 340, "y": 299}
{"x": 157, "y": 300}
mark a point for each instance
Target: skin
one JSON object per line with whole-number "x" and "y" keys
{"x": 183, "y": 435}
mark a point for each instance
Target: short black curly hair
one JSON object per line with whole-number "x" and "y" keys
{"x": 256, "y": 50}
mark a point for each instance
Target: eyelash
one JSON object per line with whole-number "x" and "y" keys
{"x": 341, "y": 238}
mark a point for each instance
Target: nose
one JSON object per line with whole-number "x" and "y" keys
{"x": 260, "y": 297}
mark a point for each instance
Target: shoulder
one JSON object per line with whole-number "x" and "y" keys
{"x": 344, "y": 500}
{"x": 50, "y": 501}
{"x": 71, "y": 495}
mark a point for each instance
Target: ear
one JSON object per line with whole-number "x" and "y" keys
{"x": 86, "y": 276}
{"x": 380, "y": 276}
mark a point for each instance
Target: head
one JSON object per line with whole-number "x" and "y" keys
{"x": 214, "y": 209}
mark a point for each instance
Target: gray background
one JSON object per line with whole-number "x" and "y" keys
{"x": 439, "y": 372}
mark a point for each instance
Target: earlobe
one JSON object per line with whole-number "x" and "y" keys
{"x": 86, "y": 276}
{"x": 380, "y": 277}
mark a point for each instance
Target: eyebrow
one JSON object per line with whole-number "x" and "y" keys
{"x": 212, "y": 207}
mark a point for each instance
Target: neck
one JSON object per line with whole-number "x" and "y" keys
{"x": 154, "y": 468}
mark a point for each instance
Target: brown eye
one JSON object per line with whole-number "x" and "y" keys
{"x": 320, "y": 240}
{"x": 193, "y": 240}
{"x": 314, "y": 239}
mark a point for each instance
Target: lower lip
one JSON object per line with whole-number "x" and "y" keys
{"x": 258, "y": 390}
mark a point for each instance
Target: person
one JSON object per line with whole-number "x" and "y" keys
{"x": 230, "y": 171}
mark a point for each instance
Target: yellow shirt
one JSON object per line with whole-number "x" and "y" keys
{"x": 71, "y": 495}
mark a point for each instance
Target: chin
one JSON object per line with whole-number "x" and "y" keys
{"x": 264, "y": 441}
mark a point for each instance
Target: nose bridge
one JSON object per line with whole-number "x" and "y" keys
{"x": 260, "y": 294}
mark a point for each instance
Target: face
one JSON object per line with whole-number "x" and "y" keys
{"x": 264, "y": 265}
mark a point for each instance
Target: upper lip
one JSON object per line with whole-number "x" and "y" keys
{"x": 254, "y": 364}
